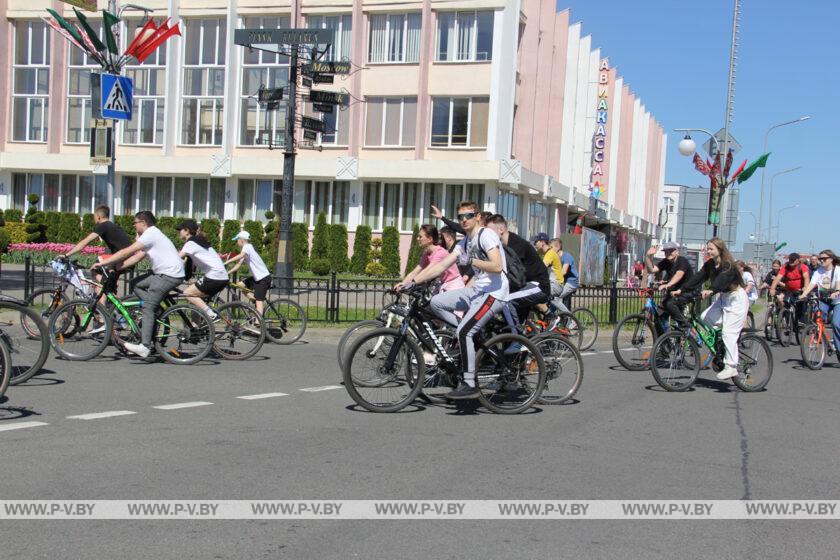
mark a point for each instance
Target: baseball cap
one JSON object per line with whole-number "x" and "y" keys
{"x": 793, "y": 256}
{"x": 541, "y": 237}
{"x": 242, "y": 235}
{"x": 187, "y": 224}
{"x": 670, "y": 246}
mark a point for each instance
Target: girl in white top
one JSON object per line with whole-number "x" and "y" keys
{"x": 203, "y": 256}
{"x": 260, "y": 279}
{"x": 826, "y": 279}
{"x": 749, "y": 281}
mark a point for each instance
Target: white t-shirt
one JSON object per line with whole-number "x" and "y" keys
{"x": 162, "y": 253}
{"x": 822, "y": 278}
{"x": 254, "y": 262}
{"x": 492, "y": 283}
{"x": 208, "y": 260}
{"x": 752, "y": 293}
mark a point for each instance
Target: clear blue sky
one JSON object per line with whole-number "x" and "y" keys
{"x": 675, "y": 57}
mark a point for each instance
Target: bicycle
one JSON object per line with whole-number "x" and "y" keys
{"x": 588, "y": 326}
{"x": 508, "y": 383}
{"x": 47, "y": 300}
{"x": 25, "y": 335}
{"x": 814, "y": 341}
{"x": 787, "y": 325}
{"x": 770, "y": 319}
{"x": 634, "y": 335}
{"x": 676, "y": 356}
{"x": 5, "y": 367}
{"x": 285, "y": 320}
{"x": 391, "y": 315}
{"x": 81, "y": 329}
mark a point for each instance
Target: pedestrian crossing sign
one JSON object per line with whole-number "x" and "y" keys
{"x": 117, "y": 97}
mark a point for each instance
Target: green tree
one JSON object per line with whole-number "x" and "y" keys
{"x": 361, "y": 250}
{"x": 320, "y": 238}
{"x": 211, "y": 227}
{"x": 231, "y": 228}
{"x": 414, "y": 252}
{"x": 36, "y": 227}
{"x": 391, "y": 250}
{"x": 53, "y": 222}
{"x": 338, "y": 248}
{"x": 87, "y": 225}
{"x": 13, "y": 215}
{"x": 255, "y": 228}
{"x": 126, "y": 223}
{"x": 300, "y": 246}
{"x": 166, "y": 224}
{"x": 5, "y": 239}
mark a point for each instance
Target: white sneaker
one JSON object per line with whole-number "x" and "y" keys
{"x": 727, "y": 373}
{"x": 214, "y": 317}
{"x": 97, "y": 330}
{"x": 138, "y": 349}
{"x": 429, "y": 358}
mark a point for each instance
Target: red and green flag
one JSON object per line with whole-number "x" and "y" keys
{"x": 98, "y": 45}
{"x": 753, "y": 167}
{"x": 109, "y": 21}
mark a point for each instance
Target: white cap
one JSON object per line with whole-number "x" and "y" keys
{"x": 242, "y": 235}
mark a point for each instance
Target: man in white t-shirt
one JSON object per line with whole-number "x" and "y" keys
{"x": 167, "y": 273}
{"x": 260, "y": 279}
{"x": 482, "y": 249}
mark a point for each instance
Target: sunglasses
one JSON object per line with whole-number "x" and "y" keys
{"x": 466, "y": 216}
{"x": 825, "y": 258}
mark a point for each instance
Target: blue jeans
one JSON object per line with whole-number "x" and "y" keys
{"x": 835, "y": 323}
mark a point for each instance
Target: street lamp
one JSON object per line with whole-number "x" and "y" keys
{"x": 772, "y": 179}
{"x": 751, "y": 214}
{"x": 778, "y": 220}
{"x": 763, "y": 169}
{"x": 687, "y": 146}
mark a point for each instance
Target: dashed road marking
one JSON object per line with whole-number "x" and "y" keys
{"x": 262, "y": 396}
{"x": 182, "y": 405}
{"x": 98, "y": 415}
{"x": 318, "y": 389}
{"x": 20, "y": 425}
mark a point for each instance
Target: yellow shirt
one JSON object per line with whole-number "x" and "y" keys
{"x": 552, "y": 259}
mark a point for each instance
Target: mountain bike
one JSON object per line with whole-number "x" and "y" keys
{"x": 285, "y": 320}
{"x": 588, "y": 326}
{"x": 815, "y": 343}
{"x": 677, "y": 361}
{"x": 634, "y": 335}
{"x": 72, "y": 284}
{"x": 770, "y": 318}
{"x": 787, "y": 325}
{"x": 391, "y": 315}
{"x": 25, "y": 335}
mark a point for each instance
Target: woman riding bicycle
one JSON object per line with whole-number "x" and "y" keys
{"x": 202, "y": 256}
{"x": 729, "y": 310}
{"x": 429, "y": 240}
{"x": 826, "y": 280}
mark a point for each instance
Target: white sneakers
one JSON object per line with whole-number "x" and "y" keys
{"x": 97, "y": 330}
{"x": 138, "y": 349}
{"x": 727, "y": 373}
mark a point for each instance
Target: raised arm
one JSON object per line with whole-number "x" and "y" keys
{"x": 91, "y": 237}
{"x": 649, "y": 266}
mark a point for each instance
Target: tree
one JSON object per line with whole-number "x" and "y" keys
{"x": 53, "y": 223}
{"x": 36, "y": 227}
{"x": 300, "y": 246}
{"x": 211, "y": 227}
{"x": 320, "y": 239}
{"x": 361, "y": 250}
{"x": 270, "y": 239}
{"x": 338, "y": 248}
{"x": 414, "y": 252}
{"x": 231, "y": 228}
{"x": 70, "y": 228}
{"x": 126, "y": 223}
{"x": 391, "y": 250}
{"x": 255, "y": 228}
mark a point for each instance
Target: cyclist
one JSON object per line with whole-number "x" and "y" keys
{"x": 729, "y": 309}
{"x": 428, "y": 238}
{"x": 260, "y": 279}
{"x": 201, "y": 254}
{"x": 768, "y": 278}
{"x": 455, "y": 226}
{"x": 676, "y": 271}
{"x": 551, "y": 259}
{"x": 826, "y": 281}
{"x": 749, "y": 281}
{"x": 481, "y": 248}
{"x": 569, "y": 271}
{"x": 795, "y": 277}
{"x": 167, "y": 273}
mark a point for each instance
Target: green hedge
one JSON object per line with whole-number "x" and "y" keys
{"x": 391, "y": 250}
{"x": 320, "y": 238}
{"x": 338, "y": 248}
{"x": 5, "y": 239}
{"x": 53, "y": 222}
{"x": 255, "y": 228}
{"x": 126, "y": 223}
{"x": 69, "y": 228}
{"x": 13, "y": 215}
{"x": 361, "y": 250}
{"x": 231, "y": 228}
{"x": 167, "y": 224}
{"x": 211, "y": 228}
{"x": 414, "y": 252}
{"x": 300, "y": 246}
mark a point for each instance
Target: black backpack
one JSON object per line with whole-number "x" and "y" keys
{"x": 515, "y": 269}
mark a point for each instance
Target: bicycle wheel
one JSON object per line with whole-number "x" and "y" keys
{"x": 755, "y": 364}
{"x": 439, "y": 380}
{"x": 676, "y": 361}
{"x": 44, "y": 302}
{"x": 352, "y": 334}
{"x": 184, "y": 334}
{"x": 383, "y": 370}
{"x": 812, "y": 347}
{"x": 122, "y": 333}
{"x": 26, "y": 336}
{"x": 563, "y": 368}
{"x": 285, "y": 321}
{"x": 79, "y": 330}
{"x": 750, "y": 321}
{"x": 510, "y": 374}
{"x": 784, "y": 328}
{"x": 769, "y": 324}
{"x": 632, "y": 342}
{"x": 5, "y": 367}
{"x": 569, "y": 327}
{"x": 589, "y": 327}
{"x": 240, "y": 331}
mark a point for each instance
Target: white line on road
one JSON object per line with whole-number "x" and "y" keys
{"x": 98, "y": 415}
{"x": 182, "y": 405}
{"x": 19, "y": 425}
{"x": 324, "y": 388}
{"x": 262, "y": 396}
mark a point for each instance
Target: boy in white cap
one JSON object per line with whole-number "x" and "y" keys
{"x": 260, "y": 279}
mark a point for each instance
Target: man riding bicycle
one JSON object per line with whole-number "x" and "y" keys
{"x": 676, "y": 271}
{"x": 795, "y": 277}
{"x": 569, "y": 272}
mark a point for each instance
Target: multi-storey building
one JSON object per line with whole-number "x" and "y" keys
{"x": 504, "y": 102}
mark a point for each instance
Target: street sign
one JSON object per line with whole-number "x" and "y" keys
{"x": 309, "y": 135}
{"x": 117, "y": 95}
{"x": 101, "y": 131}
{"x": 313, "y": 124}
{"x": 720, "y": 136}
{"x": 328, "y": 67}
{"x": 259, "y": 38}
{"x": 306, "y": 82}
{"x": 329, "y": 97}
{"x": 323, "y": 107}
{"x": 323, "y": 78}
{"x": 267, "y": 95}
{"x": 87, "y": 5}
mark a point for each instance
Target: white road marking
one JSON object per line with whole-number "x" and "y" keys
{"x": 262, "y": 396}
{"x": 182, "y": 405}
{"x": 19, "y": 425}
{"x": 98, "y": 415}
{"x": 324, "y": 388}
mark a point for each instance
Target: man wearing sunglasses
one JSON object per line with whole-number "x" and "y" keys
{"x": 482, "y": 249}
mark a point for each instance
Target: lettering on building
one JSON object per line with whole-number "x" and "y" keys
{"x": 597, "y": 183}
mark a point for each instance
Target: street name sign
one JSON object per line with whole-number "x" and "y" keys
{"x": 310, "y": 135}
{"x": 313, "y": 124}
{"x": 328, "y": 67}
{"x": 323, "y": 107}
{"x": 323, "y": 78}
{"x": 268, "y": 95}
{"x": 259, "y": 37}
{"x": 329, "y": 97}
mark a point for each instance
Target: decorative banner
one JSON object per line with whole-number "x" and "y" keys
{"x": 597, "y": 183}
{"x": 753, "y": 167}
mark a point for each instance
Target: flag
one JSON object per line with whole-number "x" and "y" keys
{"x": 63, "y": 32}
{"x": 109, "y": 20}
{"x": 68, "y": 27}
{"x": 751, "y": 168}
{"x": 700, "y": 165}
{"x": 89, "y": 46}
{"x": 738, "y": 171}
{"x": 728, "y": 164}
{"x": 152, "y": 44}
{"x": 98, "y": 45}
{"x": 164, "y": 27}
{"x": 714, "y": 172}
{"x": 144, "y": 34}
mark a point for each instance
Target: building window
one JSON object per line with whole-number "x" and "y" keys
{"x": 60, "y": 193}
{"x": 537, "y": 219}
{"x": 146, "y": 125}
{"x": 670, "y": 206}
{"x": 404, "y": 205}
{"x": 31, "y": 82}
{"x": 667, "y": 234}
{"x": 202, "y": 115}
{"x": 337, "y": 125}
{"x": 313, "y": 197}
{"x": 459, "y": 122}
{"x": 179, "y": 196}
{"x": 259, "y": 68}
{"x": 78, "y": 93}
{"x": 508, "y": 206}
{"x": 342, "y": 26}
{"x": 391, "y": 121}
{"x": 255, "y": 197}
{"x": 465, "y": 36}
{"x": 394, "y": 38}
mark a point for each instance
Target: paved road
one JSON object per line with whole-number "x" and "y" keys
{"x": 624, "y": 439}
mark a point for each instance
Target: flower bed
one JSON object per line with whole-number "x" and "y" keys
{"x": 43, "y": 253}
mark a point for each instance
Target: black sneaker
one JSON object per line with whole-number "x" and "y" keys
{"x": 463, "y": 392}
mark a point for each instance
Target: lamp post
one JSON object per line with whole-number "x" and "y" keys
{"x": 750, "y": 212}
{"x": 772, "y": 181}
{"x": 763, "y": 170}
{"x": 779, "y": 222}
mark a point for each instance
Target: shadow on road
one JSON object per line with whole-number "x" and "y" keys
{"x": 8, "y": 413}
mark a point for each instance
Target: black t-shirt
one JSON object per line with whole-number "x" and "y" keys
{"x": 113, "y": 236}
{"x": 768, "y": 278}
{"x": 669, "y": 269}
{"x": 535, "y": 270}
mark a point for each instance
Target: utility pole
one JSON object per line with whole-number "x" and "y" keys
{"x": 283, "y": 267}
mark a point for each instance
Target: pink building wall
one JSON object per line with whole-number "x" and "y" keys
{"x": 625, "y": 144}
{"x": 556, "y": 94}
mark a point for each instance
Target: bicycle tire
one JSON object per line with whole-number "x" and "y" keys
{"x": 674, "y": 349}
{"x": 284, "y": 328}
{"x": 525, "y": 378}
{"x": 28, "y": 351}
{"x": 181, "y": 324}
{"x": 44, "y": 307}
{"x": 589, "y": 327}
{"x": 238, "y": 321}
{"x": 642, "y": 339}
{"x": 784, "y": 328}
{"x": 745, "y": 380}
{"x": 5, "y": 367}
{"x": 67, "y": 314}
{"x": 569, "y": 328}
{"x": 557, "y": 353}
{"x": 812, "y": 347}
{"x": 411, "y": 358}
{"x": 769, "y": 324}
{"x": 353, "y": 330}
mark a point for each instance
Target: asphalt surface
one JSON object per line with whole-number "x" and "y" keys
{"x": 623, "y": 438}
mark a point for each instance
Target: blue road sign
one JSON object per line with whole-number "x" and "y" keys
{"x": 117, "y": 96}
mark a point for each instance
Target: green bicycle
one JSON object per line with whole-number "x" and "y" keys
{"x": 677, "y": 359}
{"x": 81, "y": 329}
